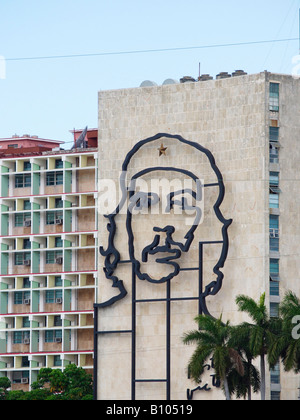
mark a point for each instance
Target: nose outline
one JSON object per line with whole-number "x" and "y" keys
{"x": 155, "y": 248}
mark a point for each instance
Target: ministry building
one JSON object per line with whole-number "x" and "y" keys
{"x": 238, "y": 137}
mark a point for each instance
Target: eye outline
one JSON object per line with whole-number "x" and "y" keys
{"x": 142, "y": 200}
{"x": 183, "y": 204}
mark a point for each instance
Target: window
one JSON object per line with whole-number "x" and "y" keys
{"x": 19, "y": 297}
{"x": 274, "y": 190}
{"x": 50, "y": 296}
{"x": 274, "y": 154}
{"x": 22, "y": 181}
{"x": 275, "y": 395}
{"x": 27, "y": 166}
{"x": 274, "y": 233}
{"x": 25, "y": 361}
{"x": 27, "y": 205}
{"x": 59, "y": 203}
{"x": 51, "y": 335}
{"x": 18, "y": 337}
{"x": 52, "y": 216}
{"x": 57, "y": 321}
{"x": 274, "y": 310}
{"x": 53, "y": 295}
{"x": 274, "y": 201}
{"x": 18, "y": 376}
{"x": 12, "y": 146}
{"x": 21, "y": 218}
{"x": 52, "y": 255}
{"x": 58, "y": 243}
{"x": 274, "y": 288}
{"x": 54, "y": 178}
{"x": 57, "y": 361}
{"x": 274, "y": 179}
{"x": 274, "y": 134}
{"x": 26, "y": 243}
{"x": 21, "y": 258}
{"x": 275, "y": 374}
{"x": 26, "y": 283}
{"x": 274, "y": 97}
{"x": 58, "y": 281}
{"x": 274, "y": 244}
{"x": 26, "y": 322}
{"x": 59, "y": 164}
{"x": 274, "y": 269}
{"x": 274, "y": 222}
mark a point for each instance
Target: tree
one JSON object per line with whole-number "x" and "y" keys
{"x": 286, "y": 346}
{"x": 261, "y": 333}
{"x": 79, "y": 382}
{"x": 242, "y": 385}
{"x": 73, "y": 383}
{"x": 212, "y": 342}
{"x": 5, "y": 384}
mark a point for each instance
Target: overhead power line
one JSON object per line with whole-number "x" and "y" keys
{"x": 236, "y": 44}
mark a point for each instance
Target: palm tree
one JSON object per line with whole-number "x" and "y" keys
{"x": 286, "y": 346}
{"x": 212, "y": 342}
{"x": 261, "y": 332}
{"x": 242, "y": 385}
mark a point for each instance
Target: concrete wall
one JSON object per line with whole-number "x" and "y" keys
{"x": 230, "y": 118}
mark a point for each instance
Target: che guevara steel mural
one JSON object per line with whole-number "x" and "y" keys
{"x": 162, "y": 245}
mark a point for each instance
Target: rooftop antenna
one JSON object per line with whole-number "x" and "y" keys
{"x": 80, "y": 142}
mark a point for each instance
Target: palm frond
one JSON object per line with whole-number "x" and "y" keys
{"x": 197, "y": 363}
{"x": 237, "y": 361}
{"x": 257, "y": 312}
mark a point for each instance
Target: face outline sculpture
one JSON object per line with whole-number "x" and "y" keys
{"x": 162, "y": 243}
{"x": 171, "y": 250}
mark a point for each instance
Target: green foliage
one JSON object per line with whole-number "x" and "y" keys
{"x": 5, "y": 384}
{"x": 234, "y": 348}
{"x": 212, "y": 340}
{"x": 53, "y": 385}
{"x": 284, "y": 347}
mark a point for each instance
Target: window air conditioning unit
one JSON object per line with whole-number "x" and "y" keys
{"x": 274, "y": 233}
{"x": 26, "y": 302}
{"x": 58, "y": 221}
{"x": 27, "y": 223}
{"x": 27, "y": 262}
{"x": 26, "y": 341}
{"x": 58, "y": 340}
{"x": 59, "y": 260}
{"x": 24, "y": 380}
{"x": 59, "y": 300}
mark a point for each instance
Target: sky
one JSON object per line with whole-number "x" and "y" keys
{"x": 58, "y": 54}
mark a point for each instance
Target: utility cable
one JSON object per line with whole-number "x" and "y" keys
{"x": 236, "y": 44}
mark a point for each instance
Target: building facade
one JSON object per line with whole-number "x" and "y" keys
{"x": 240, "y": 133}
{"x": 48, "y": 277}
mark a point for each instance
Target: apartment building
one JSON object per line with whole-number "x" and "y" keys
{"x": 48, "y": 274}
{"x": 248, "y": 125}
